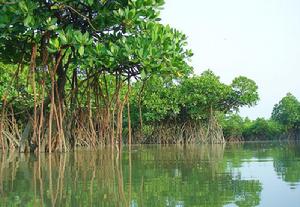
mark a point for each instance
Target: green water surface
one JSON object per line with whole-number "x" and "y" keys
{"x": 256, "y": 174}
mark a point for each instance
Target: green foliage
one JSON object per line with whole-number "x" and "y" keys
{"x": 106, "y": 44}
{"x": 262, "y": 129}
{"x": 244, "y": 92}
{"x": 160, "y": 100}
{"x": 84, "y": 53}
{"x": 20, "y": 93}
{"x": 284, "y": 122}
{"x": 7, "y": 91}
{"x": 189, "y": 99}
{"x": 233, "y": 125}
{"x": 200, "y": 94}
{"x": 126, "y": 34}
{"x": 236, "y": 127}
{"x": 287, "y": 113}
{"x": 205, "y": 93}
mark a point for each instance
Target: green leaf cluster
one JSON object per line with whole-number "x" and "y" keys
{"x": 287, "y": 113}
{"x": 191, "y": 98}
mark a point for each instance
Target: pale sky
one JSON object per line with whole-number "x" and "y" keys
{"x": 259, "y": 39}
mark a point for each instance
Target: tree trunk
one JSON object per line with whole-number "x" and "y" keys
{"x": 128, "y": 114}
{"x": 25, "y": 138}
{"x": 1, "y": 124}
{"x": 32, "y": 76}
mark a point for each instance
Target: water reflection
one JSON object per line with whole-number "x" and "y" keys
{"x": 142, "y": 176}
{"x": 287, "y": 163}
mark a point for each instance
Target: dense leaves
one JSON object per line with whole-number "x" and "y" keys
{"x": 191, "y": 103}
{"x": 237, "y": 128}
{"x": 69, "y": 68}
{"x": 193, "y": 98}
{"x": 283, "y": 124}
{"x": 287, "y": 113}
{"x": 74, "y": 59}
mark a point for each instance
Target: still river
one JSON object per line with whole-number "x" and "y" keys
{"x": 252, "y": 174}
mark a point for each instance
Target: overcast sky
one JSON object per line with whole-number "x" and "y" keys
{"x": 259, "y": 39}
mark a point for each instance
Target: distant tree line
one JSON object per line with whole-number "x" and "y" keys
{"x": 283, "y": 124}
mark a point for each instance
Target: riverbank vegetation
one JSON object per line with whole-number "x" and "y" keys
{"x": 186, "y": 110}
{"x": 68, "y": 66}
{"x": 283, "y": 124}
{"x": 89, "y": 73}
{"x": 74, "y": 73}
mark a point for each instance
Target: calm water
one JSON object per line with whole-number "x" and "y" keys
{"x": 264, "y": 174}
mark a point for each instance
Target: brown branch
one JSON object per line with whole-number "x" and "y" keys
{"x": 84, "y": 17}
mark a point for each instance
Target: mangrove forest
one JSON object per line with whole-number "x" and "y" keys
{"x": 92, "y": 73}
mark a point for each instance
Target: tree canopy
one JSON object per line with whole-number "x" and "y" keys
{"x": 287, "y": 113}
{"x": 72, "y": 61}
{"x": 85, "y": 73}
